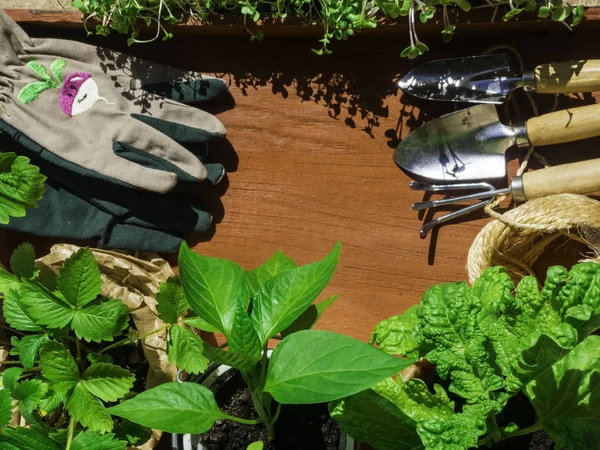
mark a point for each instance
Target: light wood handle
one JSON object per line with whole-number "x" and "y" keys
{"x": 564, "y": 126}
{"x": 575, "y": 178}
{"x": 567, "y": 77}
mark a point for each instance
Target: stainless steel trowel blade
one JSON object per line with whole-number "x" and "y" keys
{"x": 474, "y": 79}
{"x": 465, "y": 145}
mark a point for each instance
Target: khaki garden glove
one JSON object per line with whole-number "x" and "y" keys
{"x": 119, "y": 117}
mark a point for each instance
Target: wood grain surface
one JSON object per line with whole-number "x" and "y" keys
{"x": 309, "y": 158}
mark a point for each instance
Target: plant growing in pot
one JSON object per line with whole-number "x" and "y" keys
{"x": 139, "y": 351}
{"x": 511, "y": 366}
{"x": 249, "y": 308}
{"x": 63, "y": 372}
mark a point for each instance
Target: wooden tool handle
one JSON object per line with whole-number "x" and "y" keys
{"x": 567, "y": 77}
{"x": 575, "y": 178}
{"x": 564, "y": 126}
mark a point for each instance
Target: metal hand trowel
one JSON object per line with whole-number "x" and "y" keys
{"x": 489, "y": 79}
{"x": 470, "y": 144}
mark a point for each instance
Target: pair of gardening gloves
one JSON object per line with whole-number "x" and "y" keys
{"x": 123, "y": 152}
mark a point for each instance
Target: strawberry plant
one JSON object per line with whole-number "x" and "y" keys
{"x": 249, "y": 308}
{"x": 489, "y": 343}
{"x": 61, "y": 374}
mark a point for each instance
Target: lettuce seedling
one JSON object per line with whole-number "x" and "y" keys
{"x": 63, "y": 378}
{"x": 250, "y": 308}
{"x": 489, "y": 342}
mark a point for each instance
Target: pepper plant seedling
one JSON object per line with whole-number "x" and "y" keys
{"x": 249, "y": 308}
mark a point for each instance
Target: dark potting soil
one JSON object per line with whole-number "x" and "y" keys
{"x": 299, "y": 427}
{"x": 519, "y": 410}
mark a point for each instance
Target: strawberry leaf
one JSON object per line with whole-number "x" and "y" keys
{"x": 79, "y": 279}
{"x": 107, "y": 381}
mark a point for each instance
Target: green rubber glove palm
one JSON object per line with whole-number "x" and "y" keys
{"x": 117, "y": 116}
{"x": 107, "y": 214}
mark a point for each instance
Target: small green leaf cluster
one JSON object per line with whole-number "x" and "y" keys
{"x": 62, "y": 380}
{"x": 339, "y": 19}
{"x": 21, "y": 185}
{"x": 250, "y": 308}
{"x": 489, "y": 342}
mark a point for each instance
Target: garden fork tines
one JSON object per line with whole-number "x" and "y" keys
{"x": 487, "y": 193}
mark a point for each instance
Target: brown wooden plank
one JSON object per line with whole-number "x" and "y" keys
{"x": 310, "y": 159}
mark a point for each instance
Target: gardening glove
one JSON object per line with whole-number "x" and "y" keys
{"x": 109, "y": 215}
{"x": 120, "y": 117}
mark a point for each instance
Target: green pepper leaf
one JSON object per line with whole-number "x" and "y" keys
{"x": 212, "y": 287}
{"x": 310, "y": 317}
{"x": 256, "y": 278}
{"x": 318, "y": 366}
{"x": 286, "y": 296}
{"x": 172, "y": 407}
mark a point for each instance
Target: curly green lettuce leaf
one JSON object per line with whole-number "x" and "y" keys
{"x": 398, "y": 335}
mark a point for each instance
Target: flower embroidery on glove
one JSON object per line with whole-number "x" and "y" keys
{"x": 78, "y": 92}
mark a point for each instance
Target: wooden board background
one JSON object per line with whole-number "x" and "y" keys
{"x": 309, "y": 156}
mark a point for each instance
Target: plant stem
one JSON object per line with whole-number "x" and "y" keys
{"x": 12, "y": 331}
{"x": 9, "y": 363}
{"x": 71, "y": 433}
{"x": 493, "y": 428}
{"x": 244, "y": 421}
{"x": 78, "y": 360}
{"x": 260, "y": 409}
{"x": 533, "y": 428}
{"x": 127, "y": 341}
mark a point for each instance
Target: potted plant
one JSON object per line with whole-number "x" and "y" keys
{"x": 250, "y": 308}
{"x": 339, "y": 20}
{"x": 512, "y": 367}
{"x": 70, "y": 347}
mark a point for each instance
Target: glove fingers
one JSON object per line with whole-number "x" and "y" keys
{"x": 184, "y": 124}
{"x": 137, "y": 141}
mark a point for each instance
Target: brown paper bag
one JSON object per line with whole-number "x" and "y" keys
{"x": 135, "y": 281}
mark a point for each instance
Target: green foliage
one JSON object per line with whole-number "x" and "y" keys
{"x": 21, "y": 186}
{"x": 490, "y": 342}
{"x": 173, "y": 407}
{"x": 251, "y": 307}
{"x": 339, "y": 19}
{"x": 51, "y": 323}
{"x": 308, "y": 365}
